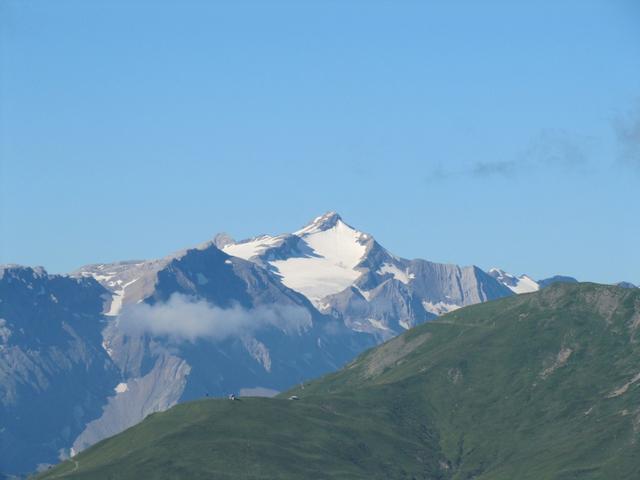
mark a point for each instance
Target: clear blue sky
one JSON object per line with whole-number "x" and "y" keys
{"x": 483, "y": 133}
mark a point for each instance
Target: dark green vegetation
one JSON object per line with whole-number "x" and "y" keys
{"x": 539, "y": 386}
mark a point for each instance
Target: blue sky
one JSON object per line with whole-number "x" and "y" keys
{"x": 483, "y": 133}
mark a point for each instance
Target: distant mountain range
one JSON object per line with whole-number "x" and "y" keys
{"x": 109, "y": 344}
{"x": 538, "y": 386}
{"x": 524, "y": 283}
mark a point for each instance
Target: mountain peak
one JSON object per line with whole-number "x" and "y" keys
{"x": 516, "y": 283}
{"x": 223, "y": 239}
{"x": 321, "y": 223}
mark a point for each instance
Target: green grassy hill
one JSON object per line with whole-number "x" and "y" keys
{"x": 538, "y": 386}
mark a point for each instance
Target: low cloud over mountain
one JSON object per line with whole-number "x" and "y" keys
{"x": 187, "y": 318}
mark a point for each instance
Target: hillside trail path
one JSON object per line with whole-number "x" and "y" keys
{"x": 76, "y": 465}
{"x": 450, "y": 322}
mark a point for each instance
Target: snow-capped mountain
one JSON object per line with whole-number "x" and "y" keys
{"x": 517, "y": 284}
{"x": 318, "y": 260}
{"x": 347, "y": 274}
{"x": 112, "y": 343}
{"x": 525, "y": 284}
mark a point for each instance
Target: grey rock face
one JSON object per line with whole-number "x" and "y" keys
{"x": 222, "y": 239}
{"x": 54, "y": 373}
{"x": 399, "y": 294}
{"x": 156, "y": 391}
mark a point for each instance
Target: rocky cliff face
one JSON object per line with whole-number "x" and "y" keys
{"x": 54, "y": 372}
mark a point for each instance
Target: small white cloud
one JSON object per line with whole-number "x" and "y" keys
{"x": 187, "y": 318}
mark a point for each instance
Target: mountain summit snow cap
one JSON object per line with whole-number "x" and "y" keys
{"x": 321, "y": 223}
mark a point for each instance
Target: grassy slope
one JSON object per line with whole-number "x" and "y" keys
{"x": 487, "y": 392}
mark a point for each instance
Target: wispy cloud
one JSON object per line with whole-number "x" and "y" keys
{"x": 627, "y": 131}
{"x": 186, "y": 318}
{"x": 557, "y": 150}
